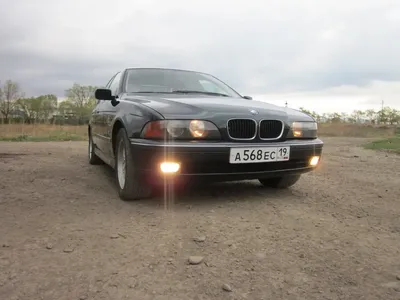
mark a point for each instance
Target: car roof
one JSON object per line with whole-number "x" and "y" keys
{"x": 168, "y": 69}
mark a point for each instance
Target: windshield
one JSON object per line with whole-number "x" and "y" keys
{"x": 175, "y": 81}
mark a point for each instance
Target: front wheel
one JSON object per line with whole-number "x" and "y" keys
{"x": 130, "y": 184}
{"x": 282, "y": 182}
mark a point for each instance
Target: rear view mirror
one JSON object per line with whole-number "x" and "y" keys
{"x": 103, "y": 94}
{"x": 248, "y": 97}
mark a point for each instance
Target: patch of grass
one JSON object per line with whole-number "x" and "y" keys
{"x": 356, "y": 130}
{"x": 63, "y": 136}
{"x": 390, "y": 144}
{"x": 41, "y": 133}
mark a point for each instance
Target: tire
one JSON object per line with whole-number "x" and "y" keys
{"x": 131, "y": 186}
{"x": 93, "y": 158}
{"x": 283, "y": 182}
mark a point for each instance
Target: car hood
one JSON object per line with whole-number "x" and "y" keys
{"x": 201, "y": 107}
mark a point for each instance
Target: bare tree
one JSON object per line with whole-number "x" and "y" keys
{"x": 9, "y": 94}
{"x": 371, "y": 115}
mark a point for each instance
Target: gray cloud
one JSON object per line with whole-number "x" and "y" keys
{"x": 256, "y": 47}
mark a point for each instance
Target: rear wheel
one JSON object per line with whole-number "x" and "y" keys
{"x": 282, "y": 182}
{"x": 93, "y": 158}
{"x": 131, "y": 185}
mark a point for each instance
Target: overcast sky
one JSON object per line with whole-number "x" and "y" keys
{"x": 322, "y": 54}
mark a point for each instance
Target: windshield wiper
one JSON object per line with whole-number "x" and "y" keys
{"x": 150, "y": 92}
{"x": 199, "y": 92}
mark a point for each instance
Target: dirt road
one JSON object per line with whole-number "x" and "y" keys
{"x": 64, "y": 234}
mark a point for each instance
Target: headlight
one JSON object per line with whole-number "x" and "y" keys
{"x": 176, "y": 128}
{"x": 197, "y": 128}
{"x": 180, "y": 129}
{"x": 303, "y": 130}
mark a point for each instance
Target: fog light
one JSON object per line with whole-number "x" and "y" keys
{"x": 314, "y": 161}
{"x": 169, "y": 167}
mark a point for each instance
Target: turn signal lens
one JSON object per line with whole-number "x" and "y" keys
{"x": 153, "y": 130}
{"x": 314, "y": 161}
{"x": 197, "y": 128}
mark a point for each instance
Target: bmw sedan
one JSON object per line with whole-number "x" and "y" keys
{"x": 156, "y": 125}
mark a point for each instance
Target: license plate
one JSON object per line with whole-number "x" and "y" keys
{"x": 258, "y": 155}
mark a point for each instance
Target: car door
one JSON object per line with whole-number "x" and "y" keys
{"x": 99, "y": 122}
{"x": 107, "y": 113}
{"x": 94, "y": 124}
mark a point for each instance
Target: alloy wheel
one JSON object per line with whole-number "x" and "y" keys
{"x": 121, "y": 164}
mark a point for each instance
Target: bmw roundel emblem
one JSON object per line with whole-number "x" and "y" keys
{"x": 253, "y": 112}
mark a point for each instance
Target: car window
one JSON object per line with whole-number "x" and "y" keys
{"x": 110, "y": 81}
{"x": 114, "y": 86}
{"x": 170, "y": 80}
{"x": 211, "y": 87}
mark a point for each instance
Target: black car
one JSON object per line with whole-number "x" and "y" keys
{"x": 156, "y": 125}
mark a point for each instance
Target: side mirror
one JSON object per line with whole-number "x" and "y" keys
{"x": 248, "y": 97}
{"x": 103, "y": 94}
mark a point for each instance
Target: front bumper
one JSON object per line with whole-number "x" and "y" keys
{"x": 210, "y": 160}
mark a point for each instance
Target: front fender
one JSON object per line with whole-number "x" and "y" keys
{"x": 133, "y": 116}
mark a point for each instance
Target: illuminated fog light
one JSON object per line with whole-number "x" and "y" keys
{"x": 169, "y": 167}
{"x": 314, "y": 161}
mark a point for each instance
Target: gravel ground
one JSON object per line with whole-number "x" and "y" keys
{"x": 64, "y": 233}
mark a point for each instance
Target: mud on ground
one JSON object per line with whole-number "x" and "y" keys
{"x": 64, "y": 233}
